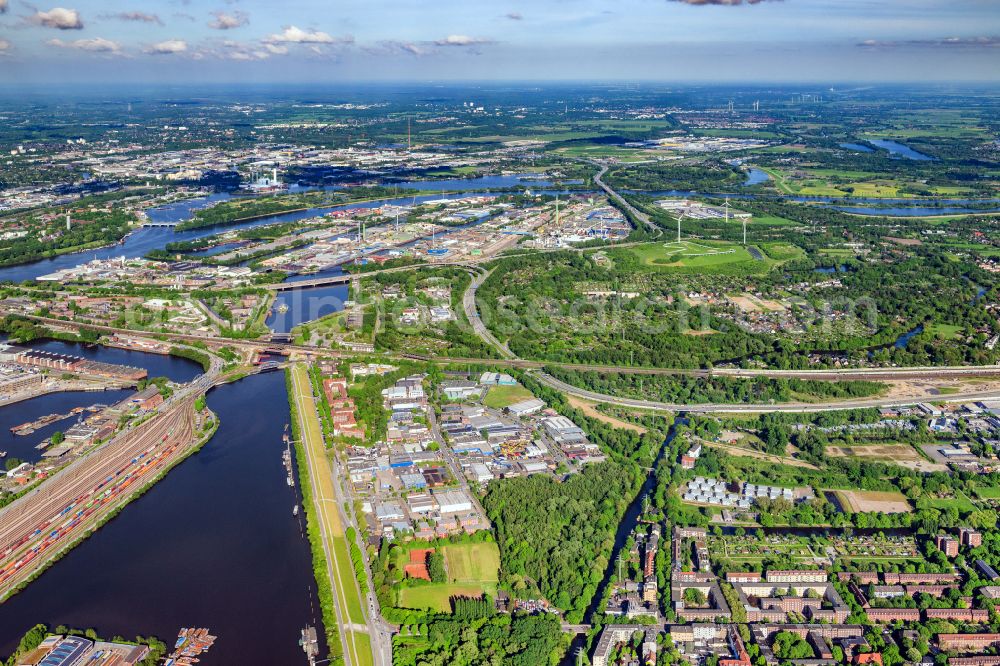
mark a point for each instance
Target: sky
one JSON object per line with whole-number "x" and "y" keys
{"x": 204, "y": 41}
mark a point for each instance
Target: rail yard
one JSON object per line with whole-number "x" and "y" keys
{"x": 50, "y": 518}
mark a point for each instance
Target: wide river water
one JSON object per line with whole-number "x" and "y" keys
{"x": 213, "y": 544}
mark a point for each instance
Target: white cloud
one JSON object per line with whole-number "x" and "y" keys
{"x": 394, "y": 47}
{"x": 988, "y": 41}
{"x": 295, "y": 35}
{"x": 167, "y": 47}
{"x": 276, "y": 49}
{"x": 462, "y": 40}
{"x": 239, "y": 51}
{"x": 135, "y": 17}
{"x": 95, "y": 45}
{"x": 5, "y": 46}
{"x": 224, "y": 21}
{"x": 59, "y": 18}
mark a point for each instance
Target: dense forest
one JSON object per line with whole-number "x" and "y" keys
{"x": 89, "y": 229}
{"x": 555, "y": 537}
{"x": 684, "y": 389}
{"x": 475, "y": 636}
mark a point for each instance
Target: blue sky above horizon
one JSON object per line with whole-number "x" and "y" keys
{"x": 355, "y": 40}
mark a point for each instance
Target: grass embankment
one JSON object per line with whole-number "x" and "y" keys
{"x": 318, "y": 495}
{"x": 192, "y": 355}
{"x": 323, "y": 587}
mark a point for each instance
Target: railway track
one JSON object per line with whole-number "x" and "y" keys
{"x": 46, "y": 521}
{"x": 873, "y": 374}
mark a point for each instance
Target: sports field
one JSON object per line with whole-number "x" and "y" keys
{"x": 473, "y": 569}
{"x": 472, "y": 562}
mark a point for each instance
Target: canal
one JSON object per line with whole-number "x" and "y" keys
{"x": 214, "y": 544}
{"x": 630, "y": 519}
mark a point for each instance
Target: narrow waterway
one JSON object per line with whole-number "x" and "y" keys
{"x": 214, "y": 544}
{"x": 631, "y": 518}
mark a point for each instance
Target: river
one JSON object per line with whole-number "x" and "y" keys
{"x": 213, "y": 544}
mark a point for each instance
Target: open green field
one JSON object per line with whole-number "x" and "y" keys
{"x": 602, "y": 151}
{"x": 946, "y": 331}
{"x": 473, "y": 569}
{"x": 472, "y": 562}
{"x": 960, "y": 502}
{"x": 782, "y": 251}
{"x": 438, "y": 596}
{"x": 988, "y": 493}
{"x": 499, "y": 397}
{"x": 701, "y": 257}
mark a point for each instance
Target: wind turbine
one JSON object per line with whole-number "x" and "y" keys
{"x": 679, "y": 218}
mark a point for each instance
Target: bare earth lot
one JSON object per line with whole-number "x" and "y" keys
{"x": 899, "y": 454}
{"x": 871, "y": 501}
{"x": 590, "y": 410}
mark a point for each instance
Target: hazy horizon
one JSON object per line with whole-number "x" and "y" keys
{"x": 682, "y": 41}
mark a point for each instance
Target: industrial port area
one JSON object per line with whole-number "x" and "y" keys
{"x": 56, "y": 512}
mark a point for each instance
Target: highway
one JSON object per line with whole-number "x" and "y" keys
{"x": 749, "y": 408}
{"x": 472, "y": 314}
{"x": 635, "y": 212}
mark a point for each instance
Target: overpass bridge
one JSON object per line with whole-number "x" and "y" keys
{"x": 346, "y": 278}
